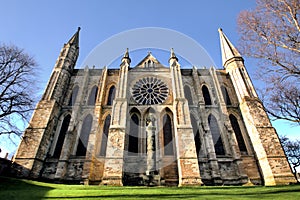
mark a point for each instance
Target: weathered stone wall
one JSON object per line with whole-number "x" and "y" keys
{"x": 251, "y": 167}
{"x": 36, "y": 161}
{"x": 49, "y": 170}
{"x": 36, "y": 140}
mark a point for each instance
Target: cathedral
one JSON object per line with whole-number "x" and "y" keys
{"x": 151, "y": 125}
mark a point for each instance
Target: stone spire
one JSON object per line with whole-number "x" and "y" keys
{"x": 75, "y": 38}
{"x": 173, "y": 56}
{"x": 126, "y": 56}
{"x": 227, "y": 49}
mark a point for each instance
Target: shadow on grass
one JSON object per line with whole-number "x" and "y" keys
{"x": 23, "y": 189}
{"x": 11, "y": 188}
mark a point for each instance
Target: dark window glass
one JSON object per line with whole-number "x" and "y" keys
{"x": 206, "y": 95}
{"x": 168, "y": 135}
{"x": 61, "y": 136}
{"x": 225, "y": 95}
{"x": 216, "y": 136}
{"x": 73, "y": 96}
{"x": 238, "y": 133}
{"x": 111, "y": 95}
{"x": 84, "y": 136}
{"x": 188, "y": 95}
{"x": 150, "y": 91}
{"x": 133, "y": 135}
{"x": 196, "y": 134}
{"x": 105, "y": 136}
{"x": 93, "y": 96}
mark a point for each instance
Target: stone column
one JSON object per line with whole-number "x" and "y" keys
{"x": 230, "y": 144}
{"x": 151, "y": 158}
{"x": 71, "y": 135}
{"x": 91, "y": 157}
{"x": 212, "y": 159}
{"x": 188, "y": 168}
{"x": 113, "y": 166}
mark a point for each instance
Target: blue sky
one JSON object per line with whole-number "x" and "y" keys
{"x": 42, "y": 27}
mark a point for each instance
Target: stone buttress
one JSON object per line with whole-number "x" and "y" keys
{"x": 271, "y": 159}
{"x": 35, "y": 143}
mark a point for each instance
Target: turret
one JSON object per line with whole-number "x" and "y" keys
{"x": 229, "y": 52}
{"x": 126, "y": 58}
{"x": 269, "y": 153}
{"x": 69, "y": 53}
{"x": 63, "y": 68}
{"x": 234, "y": 65}
{"x": 172, "y": 57}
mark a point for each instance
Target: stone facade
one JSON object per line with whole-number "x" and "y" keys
{"x": 151, "y": 124}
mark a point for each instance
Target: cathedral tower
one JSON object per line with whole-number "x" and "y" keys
{"x": 268, "y": 150}
{"x": 35, "y": 144}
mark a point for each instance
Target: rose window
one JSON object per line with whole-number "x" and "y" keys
{"x": 149, "y": 91}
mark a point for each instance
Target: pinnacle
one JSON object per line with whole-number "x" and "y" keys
{"x": 227, "y": 49}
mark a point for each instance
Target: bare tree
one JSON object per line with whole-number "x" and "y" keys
{"x": 271, "y": 34}
{"x": 292, "y": 150}
{"x": 17, "y": 94}
{"x": 282, "y": 98}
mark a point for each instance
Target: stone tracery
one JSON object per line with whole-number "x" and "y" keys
{"x": 150, "y": 91}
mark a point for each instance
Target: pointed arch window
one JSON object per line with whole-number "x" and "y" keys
{"x": 111, "y": 95}
{"x": 74, "y": 95}
{"x": 105, "y": 135}
{"x": 133, "y": 147}
{"x": 84, "y": 135}
{"x": 238, "y": 133}
{"x": 206, "y": 96}
{"x": 168, "y": 135}
{"x": 188, "y": 94}
{"x": 93, "y": 96}
{"x": 196, "y": 134}
{"x": 225, "y": 95}
{"x": 61, "y": 136}
{"x": 216, "y": 136}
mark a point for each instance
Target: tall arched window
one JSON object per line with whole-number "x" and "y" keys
{"x": 216, "y": 136}
{"x": 206, "y": 95}
{"x": 93, "y": 96}
{"x": 225, "y": 95}
{"x": 133, "y": 145}
{"x": 111, "y": 95}
{"x": 61, "y": 136}
{"x": 188, "y": 95}
{"x": 238, "y": 133}
{"x": 84, "y": 135}
{"x": 196, "y": 134}
{"x": 105, "y": 136}
{"x": 168, "y": 135}
{"x": 74, "y": 96}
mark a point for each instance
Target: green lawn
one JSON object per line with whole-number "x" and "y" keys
{"x": 25, "y": 189}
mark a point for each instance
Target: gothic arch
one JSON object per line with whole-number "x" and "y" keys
{"x": 105, "y": 131}
{"x": 83, "y": 139}
{"x": 111, "y": 95}
{"x": 60, "y": 135}
{"x": 225, "y": 95}
{"x": 238, "y": 133}
{"x": 73, "y": 96}
{"x": 93, "y": 96}
{"x": 216, "y": 135}
{"x": 188, "y": 94}
{"x": 134, "y": 132}
{"x": 168, "y": 132}
{"x": 196, "y": 132}
{"x": 206, "y": 95}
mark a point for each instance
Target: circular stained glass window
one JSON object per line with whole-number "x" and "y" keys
{"x": 149, "y": 91}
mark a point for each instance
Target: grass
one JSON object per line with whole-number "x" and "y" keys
{"x": 25, "y": 189}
